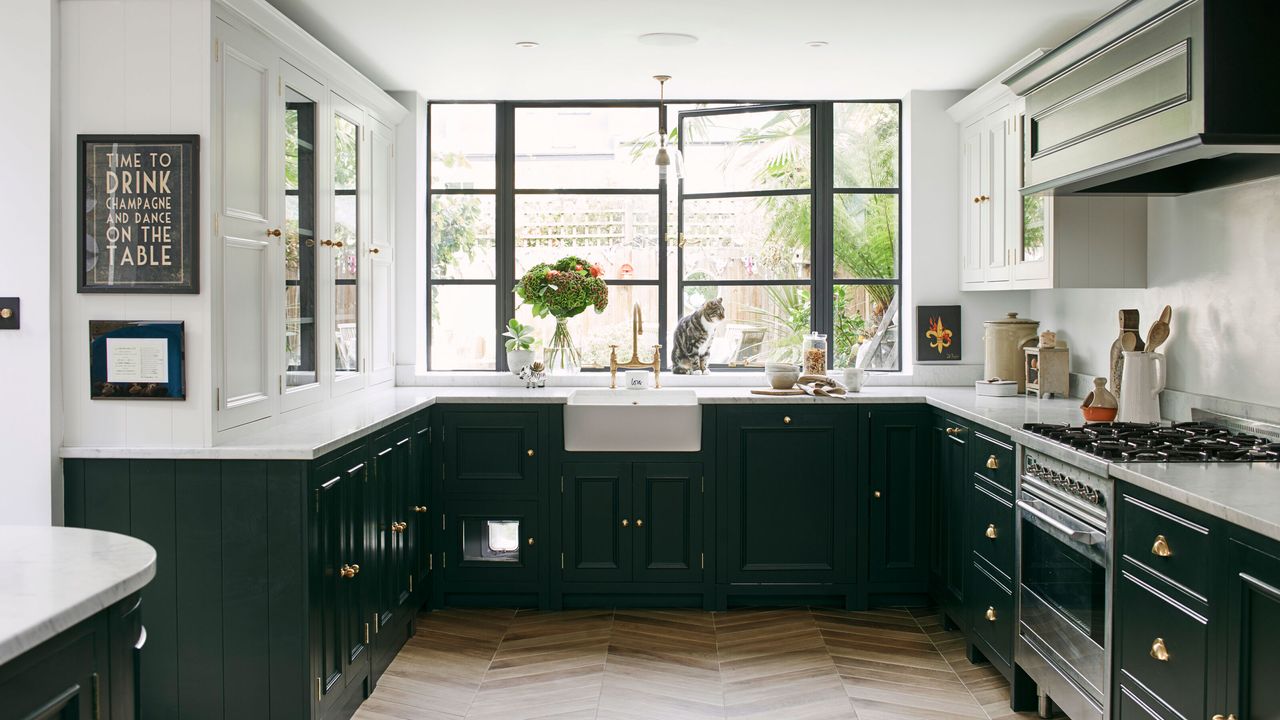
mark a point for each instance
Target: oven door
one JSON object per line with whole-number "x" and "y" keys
{"x": 1064, "y": 599}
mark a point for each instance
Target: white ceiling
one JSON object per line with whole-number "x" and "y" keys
{"x": 747, "y": 49}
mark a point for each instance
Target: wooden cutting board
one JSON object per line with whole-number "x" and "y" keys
{"x": 777, "y": 393}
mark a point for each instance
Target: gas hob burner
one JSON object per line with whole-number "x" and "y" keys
{"x": 1184, "y": 442}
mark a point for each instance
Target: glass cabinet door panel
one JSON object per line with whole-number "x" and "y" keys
{"x": 1034, "y": 226}
{"x": 346, "y": 245}
{"x": 300, "y": 342}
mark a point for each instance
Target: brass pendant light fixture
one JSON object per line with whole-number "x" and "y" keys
{"x": 669, "y": 160}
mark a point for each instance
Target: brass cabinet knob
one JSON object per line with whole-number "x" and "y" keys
{"x": 976, "y": 199}
{"x": 993, "y": 463}
{"x": 529, "y": 452}
{"x": 398, "y": 527}
{"x": 983, "y": 198}
{"x": 419, "y": 508}
{"x": 331, "y": 243}
{"x": 1159, "y": 651}
{"x": 875, "y": 494}
{"x": 951, "y": 431}
{"x": 990, "y": 614}
{"x": 374, "y": 251}
{"x": 530, "y": 541}
{"x": 1160, "y": 548}
{"x": 626, "y": 522}
{"x": 786, "y": 419}
{"x": 639, "y": 523}
{"x": 273, "y": 232}
{"x": 6, "y": 313}
{"x": 346, "y": 572}
{"x": 991, "y": 531}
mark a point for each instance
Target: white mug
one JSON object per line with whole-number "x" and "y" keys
{"x": 853, "y": 379}
{"x": 637, "y": 379}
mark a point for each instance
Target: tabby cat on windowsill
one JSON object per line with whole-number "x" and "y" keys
{"x": 692, "y": 341}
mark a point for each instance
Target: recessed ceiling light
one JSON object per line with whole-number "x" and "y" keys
{"x": 666, "y": 39}
{"x": 817, "y": 43}
{"x": 526, "y": 44}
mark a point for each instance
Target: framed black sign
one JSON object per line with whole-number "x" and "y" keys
{"x": 138, "y": 219}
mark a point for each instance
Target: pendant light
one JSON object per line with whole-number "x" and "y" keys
{"x": 669, "y": 160}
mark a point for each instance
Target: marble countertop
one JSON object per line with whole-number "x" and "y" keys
{"x": 56, "y": 577}
{"x": 1244, "y": 494}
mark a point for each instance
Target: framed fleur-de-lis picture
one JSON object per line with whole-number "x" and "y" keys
{"x": 937, "y": 333}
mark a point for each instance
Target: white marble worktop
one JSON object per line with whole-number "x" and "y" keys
{"x": 1244, "y": 494}
{"x": 56, "y": 577}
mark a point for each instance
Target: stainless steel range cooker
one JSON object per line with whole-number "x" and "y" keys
{"x": 1066, "y": 525}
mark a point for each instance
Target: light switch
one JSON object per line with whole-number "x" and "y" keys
{"x": 8, "y": 313}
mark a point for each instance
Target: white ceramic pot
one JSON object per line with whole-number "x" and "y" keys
{"x": 1140, "y": 387}
{"x": 1003, "y": 341}
{"x": 517, "y": 359}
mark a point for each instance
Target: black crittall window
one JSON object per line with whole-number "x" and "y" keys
{"x": 788, "y": 211}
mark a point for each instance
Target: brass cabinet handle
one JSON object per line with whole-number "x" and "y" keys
{"x": 991, "y": 531}
{"x": 529, "y": 452}
{"x": 273, "y": 232}
{"x": 639, "y": 523}
{"x": 951, "y": 431}
{"x": 310, "y": 242}
{"x": 983, "y": 198}
{"x": 530, "y": 541}
{"x": 419, "y": 508}
{"x": 348, "y": 571}
{"x": 1232, "y": 716}
{"x": 786, "y": 419}
{"x": 990, "y": 614}
{"x": 331, "y": 243}
{"x": 374, "y": 251}
{"x": 875, "y": 494}
{"x": 1159, "y": 651}
{"x": 993, "y": 463}
{"x": 398, "y": 527}
{"x": 626, "y": 522}
{"x": 1160, "y": 548}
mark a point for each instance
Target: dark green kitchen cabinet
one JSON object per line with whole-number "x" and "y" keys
{"x": 340, "y": 579}
{"x": 491, "y": 452}
{"x": 492, "y": 543}
{"x": 787, "y": 480}
{"x": 420, "y": 500}
{"x": 949, "y": 555}
{"x": 1251, "y": 629}
{"x": 632, "y": 522}
{"x": 390, "y": 533}
{"x": 898, "y": 470}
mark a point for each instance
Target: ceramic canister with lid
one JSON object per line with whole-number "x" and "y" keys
{"x": 1003, "y": 341}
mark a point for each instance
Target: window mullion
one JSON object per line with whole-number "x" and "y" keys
{"x": 823, "y": 265}
{"x": 504, "y": 228}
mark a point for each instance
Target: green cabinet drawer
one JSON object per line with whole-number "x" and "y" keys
{"x": 1168, "y": 544}
{"x": 993, "y": 619}
{"x": 992, "y": 458}
{"x": 1161, "y": 646}
{"x": 1134, "y": 705}
{"x": 991, "y": 527}
{"x": 491, "y": 452}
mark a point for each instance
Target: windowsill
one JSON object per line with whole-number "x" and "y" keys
{"x": 936, "y": 375}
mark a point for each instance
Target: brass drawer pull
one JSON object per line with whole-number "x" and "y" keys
{"x": 626, "y": 522}
{"x": 639, "y": 523}
{"x": 419, "y": 508}
{"x": 530, "y": 541}
{"x": 991, "y": 531}
{"x": 529, "y": 452}
{"x": 875, "y": 494}
{"x": 1160, "y": 548}
{"x": 990, "y": 614}
{"x": 993, "y": 463}
{"x": 349, "y": 571}
{"x": 786, "y": 419}
{"x": 398, "y": 527}
{"x": 1159, "y": 651}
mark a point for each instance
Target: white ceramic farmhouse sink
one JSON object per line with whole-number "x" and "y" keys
{"x": 603, "y": 420}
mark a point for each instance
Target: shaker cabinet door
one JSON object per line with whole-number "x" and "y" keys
{"x": 598, "y": 527}
{"x": 667, "y": 522}
{"x": 898, "y": 467}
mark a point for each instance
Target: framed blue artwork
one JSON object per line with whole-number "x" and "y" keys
{"x": 136, "y": 360}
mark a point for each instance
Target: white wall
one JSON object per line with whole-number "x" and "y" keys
{"x": 134, "y": 66}
{"x": 931, "y": 220}
{"x": 1213, "y": 256}
{"x": 411, "y": 237}
{"x": 30, "y": 429}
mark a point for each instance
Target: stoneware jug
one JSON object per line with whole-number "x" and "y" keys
{"x": 1140, "y": 387}
{"x": 1003, "y": 341}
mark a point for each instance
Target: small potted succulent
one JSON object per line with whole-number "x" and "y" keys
{"x": 519, "y": 345}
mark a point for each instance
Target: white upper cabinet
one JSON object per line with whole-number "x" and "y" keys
{"x": 1012, "y": 242}
{"x": 245, "y": 226}
{"x": 304, "y": 190}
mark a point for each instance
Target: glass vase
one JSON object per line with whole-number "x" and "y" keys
{"x": 561, "y": 355}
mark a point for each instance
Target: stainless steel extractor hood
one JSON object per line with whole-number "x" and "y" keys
{"x": 1159, "y": 97}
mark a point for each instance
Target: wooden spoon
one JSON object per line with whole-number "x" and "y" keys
{"x": 1159, "y": 331}
{"x": 1129, "y": 341}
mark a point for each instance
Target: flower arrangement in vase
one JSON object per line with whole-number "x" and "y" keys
{"x": 562, "y": 290}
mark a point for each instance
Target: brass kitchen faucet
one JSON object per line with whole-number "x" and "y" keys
{"x": 637, "y": 322}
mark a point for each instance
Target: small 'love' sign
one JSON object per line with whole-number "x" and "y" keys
{"x": 139, "y": 213}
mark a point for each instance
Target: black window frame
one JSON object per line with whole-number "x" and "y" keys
{"x": 823, "y": 191}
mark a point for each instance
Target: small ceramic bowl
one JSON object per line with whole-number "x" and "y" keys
{"x": 1098, "y": 414}
{"x": 782, "y": 376}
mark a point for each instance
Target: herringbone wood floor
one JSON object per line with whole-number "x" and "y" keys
{"x": 788, "y": 664}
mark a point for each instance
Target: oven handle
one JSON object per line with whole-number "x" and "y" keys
{"x": 1085, "y": 535}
